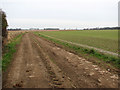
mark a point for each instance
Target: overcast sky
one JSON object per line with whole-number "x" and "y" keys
{"x": 60, "y": 13}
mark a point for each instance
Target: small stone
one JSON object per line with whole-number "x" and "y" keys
{"x": 91, "y": 74}
{"x": 96, "y": 68}
{"x": 37, "y": 56}
{"x": 113, "y": 77}
{"x": 31, "y": 76}
{"x": 60, "y": 71}
{"x": 74, "y": 86}
{"x": 86, "y": 68}
{"x": 79, "y": 58}
{"x": 99, "y": 80}
{"x": 83, "y": 59}
{"x": 68, "y": 78}
{"x": 84, "y": 72}
{"x": 70, "y": 53}
{"x": 108, "y": 70}
{"x": 58, "y": 48}
{"x": 101, "y": 72}
{"x": 94, "y": 65}
{"x": 88, "y": 62}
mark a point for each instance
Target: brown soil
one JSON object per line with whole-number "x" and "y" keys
{"x": 41, "y": 64}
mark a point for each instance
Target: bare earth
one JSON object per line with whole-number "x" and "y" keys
{"x": 41, "y": 64}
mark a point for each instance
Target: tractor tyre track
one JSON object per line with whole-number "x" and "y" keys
{"x": 80, "y": 71}
{"x": 41, "y": 64}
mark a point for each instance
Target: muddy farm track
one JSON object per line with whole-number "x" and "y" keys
{"x": 41, "y": 64}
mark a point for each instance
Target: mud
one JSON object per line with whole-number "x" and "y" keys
{"x": 41, "y": 64}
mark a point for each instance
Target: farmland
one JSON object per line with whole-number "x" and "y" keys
{"x": 36, "y": 62}
{"x": 13, "y": 34}
{"x": 103, "y": 39}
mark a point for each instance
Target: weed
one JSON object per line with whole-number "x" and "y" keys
{"x": 10, "y": 49}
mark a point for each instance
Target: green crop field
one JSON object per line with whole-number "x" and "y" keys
{"x": 102, "y": 39}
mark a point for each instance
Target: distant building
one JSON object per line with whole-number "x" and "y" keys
{"x": 51, "y": 29}
{"x": 34, "y": 29}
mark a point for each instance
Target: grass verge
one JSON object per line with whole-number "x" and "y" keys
{"x": 9, "y": 50}
{"x": 115, "y": 61}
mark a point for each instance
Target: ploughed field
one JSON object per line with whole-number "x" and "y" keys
{"x": 13, "y": 34}
{"x": 102, "y": 39}
{"x": 39, "y": 63}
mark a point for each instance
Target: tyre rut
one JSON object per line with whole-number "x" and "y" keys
{"x": 80, "y": 71}
{"x": 41, "y": 64}
{"x": 56, "y": 77}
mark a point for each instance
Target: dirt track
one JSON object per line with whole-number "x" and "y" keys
{"x": 41, "y": 64}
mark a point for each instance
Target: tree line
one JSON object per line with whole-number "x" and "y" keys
{"x": 105, "y": 28}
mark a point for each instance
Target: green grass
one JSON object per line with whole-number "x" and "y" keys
{"x": 102, "y": 39}
{"x": 9, "y": 50}
{"x": 115, "y": 61}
